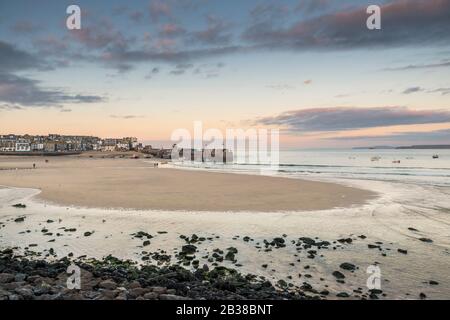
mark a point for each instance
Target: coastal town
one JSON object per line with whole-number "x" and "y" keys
{"x": 58, "y": 145}
{"x": 61, "y": 143}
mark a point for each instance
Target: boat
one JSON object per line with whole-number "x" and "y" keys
{"x": 396, "y": 161}
{"x": 435, "y": 156}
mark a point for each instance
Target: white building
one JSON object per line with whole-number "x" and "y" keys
{"x": 23, "y": 147}
{"x": 123, "y": 146}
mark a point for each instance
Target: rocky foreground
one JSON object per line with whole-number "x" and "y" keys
{"x": 114, "y": 279}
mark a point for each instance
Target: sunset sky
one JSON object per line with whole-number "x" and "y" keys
{"x": 308, "y": 67}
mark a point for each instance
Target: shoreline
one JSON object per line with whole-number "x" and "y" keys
{"x": 135, "y": 184}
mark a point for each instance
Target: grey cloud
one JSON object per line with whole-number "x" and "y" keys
{"x": 24, "y": 92}
{"x": 350, "y": 118}
{"x": 14, "y": 59}
{"x": 153, "y": 72}
{"x": 412, "y": 90}
{"x": 181, "y": 68}
{"x": 102, "y": 36}
{"x": 413, "y": 22}
{"x": 403, "y": 23}
{"x": 139, "y": 56}
{"x": 209, "y": 70}
{"x": 443, "y": 91}
{"x": 442, "y": 64}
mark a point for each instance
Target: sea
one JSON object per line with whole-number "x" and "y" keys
{"x": 426, "y": 167}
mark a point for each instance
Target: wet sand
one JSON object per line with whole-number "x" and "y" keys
{"x": 135, "y": 184}
{"x": 404, "y": 230}
{"x": 46, "y": 231}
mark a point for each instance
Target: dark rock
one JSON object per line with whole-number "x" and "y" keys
{"x": 108, "y": 284}
{"x": 279, "y": 242}
{"x": 232, "y": 250}
{"x": 343, "y": 295}
{"x": 20, "y": 277}
{"x": 137, "y": 292}
{"x": 230, "y": 256}
{"x": 348, "y": 266}
{"x": 189, "y": 249}
{"x": 338, "y": 275}
{"x": 426, "y": 240}
{"x": 402, "y": 251}
{"x": 282, "y": 284}
{"x": 142, "y": 234}
{"x": 105, "y": 293}
{"x": 151, "y": 296}
{"x": 158, "y": 290}
{"x": 308, "y": 240}
{"x": 6, "y": 277}
{"x": 376, "y": 291}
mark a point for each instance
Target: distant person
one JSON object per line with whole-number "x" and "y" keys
{"x": 34, "y": 165}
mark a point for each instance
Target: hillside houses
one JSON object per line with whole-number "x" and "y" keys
{"x": 55, "y": 143}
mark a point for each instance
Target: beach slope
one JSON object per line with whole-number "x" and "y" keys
{"x": 135, "y": 184}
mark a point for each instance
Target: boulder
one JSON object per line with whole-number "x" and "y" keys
{"x": 6, "y": 277}
{"x": 108, "y": 284}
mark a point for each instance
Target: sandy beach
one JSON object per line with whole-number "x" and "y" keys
{"x": 401, "y": 228}
{"x": 135, "y": 184}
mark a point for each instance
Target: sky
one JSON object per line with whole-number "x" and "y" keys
{"x": 310, "y": 68}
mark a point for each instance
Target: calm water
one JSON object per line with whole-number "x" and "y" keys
{"x": 410, "y": 166}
